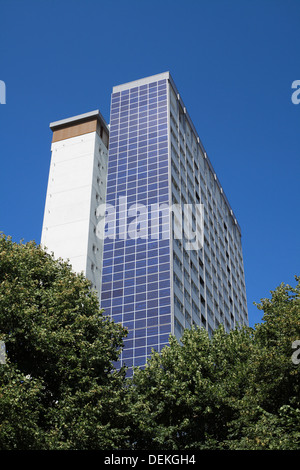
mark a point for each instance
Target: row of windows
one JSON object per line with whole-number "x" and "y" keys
{"x": 131, "y": 299}
{"x": 109, "y": 286}
{"x": 130, "y": 363}
{"x": 138, "y": 198}
{"x": 125, "y": 183}
{"x": 162, "y": 261}
{"x": 129, "y": 292}
{"x": 146, "y": 103}
{"x": 133, "y": 310}
{"x": 154, "y": 162}
{"x": 145, "y": 143}
{"x": 138, "y": 166}
{"x": 152, "y": 98}
{"x": 138, "y": 158}
{"x": 125, "y": 95}
{"x": 151, "y": 182}
{"x": 140, "y": 338}
{"x": 137, "y": 155}
{"x": 143, "y": 246}
{"x": 120, "y": 258}
{"x": 135, "y": 232}
{"x": 147, "y": 326}
{"x": 139, "y": 257}
{"x": 136, "y": 148}
{"x": 142, "y": 142}
{"x": 143, "y": 135}
{"x": 153, "y": 226}
{"x": 139, "y": 361}
{"x": 140, "y": 135}
{"x": 143, "y": 117}
{"x": 144, "y": 199}
{"x": 143, "y": 89}
{"x": 145, "y": 192}
{"x": 151, "y": 137}
{"x": 151, "y": 160}
{"x": 143, "y": 132}
{"x": 142, "y": 195}
{"x": 152, "y": 117}
{"x": 118, "y": 276}
{"x": 150, "y": 113}
{"x": 141, "y": 168}
{"x": 140, "y": 325}
{"x": 134, "y": 131}
{"x": 141, "y": 151}
{"x": 132, "y": 92}
{"x": 150, "y": 121}
{"x": 148, "y": 297}
{"x": 142, "y": 100}
{"x": 145, "y": 345}
{"x": 111, "y": 245}
{"x": 152, "y": 197}
{"x": 163, "y": 312}
{"x": 134, "y": 177}
{"x": 141, "y": 94}
{"x": 151, "y": 125}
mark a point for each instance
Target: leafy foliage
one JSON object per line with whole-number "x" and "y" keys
{"x": 58, "y": 388}
{"x": 236, "y": 390}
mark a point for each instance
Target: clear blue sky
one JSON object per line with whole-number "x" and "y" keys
{"x": 233, "y": 62}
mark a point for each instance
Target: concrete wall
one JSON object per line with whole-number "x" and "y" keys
{"x": 76, "y": 186}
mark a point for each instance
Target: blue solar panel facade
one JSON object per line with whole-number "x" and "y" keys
{"x": 136, "y": 278}
{"x": 155, "y": 280}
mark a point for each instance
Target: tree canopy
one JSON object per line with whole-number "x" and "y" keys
{"x": 236, "y": 390}
{"x": 59, "y": 388}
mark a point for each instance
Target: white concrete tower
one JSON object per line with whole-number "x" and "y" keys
{"x": 76, "y": 187}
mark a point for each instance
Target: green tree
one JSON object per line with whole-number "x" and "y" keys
{"x": 270, "y": 411}
{"x": 236, "y": 390}
{"x": 58, "y": 388}
{"x": 187, "y": 396}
